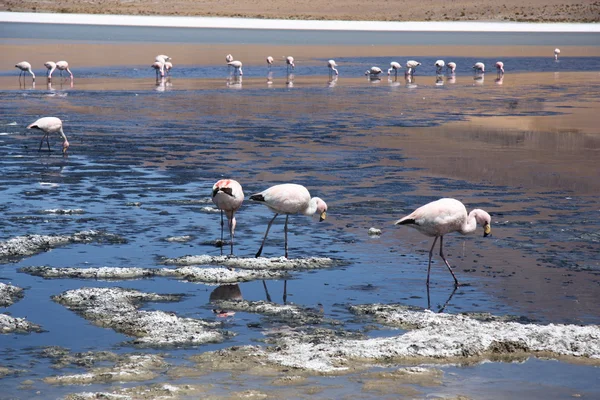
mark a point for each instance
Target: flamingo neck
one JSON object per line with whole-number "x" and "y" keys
{"x": 312, "y": 207}
{"x": 62, "y": 134}
{"x": 470, "y": 224}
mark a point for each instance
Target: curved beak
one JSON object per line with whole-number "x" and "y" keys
{"x": 487, "y": 230}
{"x": 323, "y": 216}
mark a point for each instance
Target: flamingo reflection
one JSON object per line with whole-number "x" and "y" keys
{"x": 224, "y": 293}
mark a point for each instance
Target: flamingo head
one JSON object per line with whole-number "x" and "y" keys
{"x": 321, "y": 209}
{"x": 483, "y": 219}
{"x": 65, "y": 146}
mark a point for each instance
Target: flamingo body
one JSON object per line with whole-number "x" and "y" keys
{"x": 269, "y": 61}
{"x": 451, "y": 66}
{"x": 50, "y": 66}
{"x": 500, "y": 67}
{"x": 394, "y": 66}
{"x": 373, "y": 72}
{"x": 444, "y": 216}
{"x": 288, "y": 199}
{"x": 479, "y": 67}
{"x": 50, "y": 125}
{"x": 162, "y": 57}
{"x": 24, "y": 66}
{"x": 331, "y": 65}
{"x": 159, "y": 67}
{"x": 228, "y": 196}
{"x": 237, "y": 65}
{"x": 289, "y": 60}
{"x": 63, "y": 66}
{"x": 411, "y": 65}
{"x": 439, "y": 65}
{"x": 556, "y": 53}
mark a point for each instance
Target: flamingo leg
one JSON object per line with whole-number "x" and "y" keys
{"x": 430, "y": 255}
{"x": 231, "y": 228}
{"x": 266, "y": 291}
{"x": 285, "y": 235}
{"x": 221, "y": 232}
{"x": 259, "y": 252}
{"x": 446, "y": 261}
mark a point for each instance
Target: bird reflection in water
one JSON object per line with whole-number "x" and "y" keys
{"x": 163, "y": 84}
{"x": 289, "y": 82}
{"x": 225, "y": 293}
{"x": 439, "y": 80}
{"x": 332, "y": 81}
{"x": 410, "y": 81}
{"x": 270, "y": 77}
{"x": 451, "y": 79}
{"x": 499, "y": 80}
{"x": 234, "y": 82}
{"x": 478, "y": 79}
{"x": 268, "y": 295}
{"x": 443, "y": 306}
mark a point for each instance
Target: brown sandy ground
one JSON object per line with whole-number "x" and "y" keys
{"x": 386, "y": 10}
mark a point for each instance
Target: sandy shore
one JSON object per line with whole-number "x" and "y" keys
{"x": 351, "y": 10}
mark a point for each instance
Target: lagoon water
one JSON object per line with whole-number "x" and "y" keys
{"x": 144, "y": 156}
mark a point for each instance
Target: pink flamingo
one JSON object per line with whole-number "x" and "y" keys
{"x": 63, "y": 66}
{"x": 168, "y": 67}
{"x": 50, "y": 66}
{"x": 50, "y": 125}
{"x": 479, "y": 67}
{"x": 411, "y": 66}
{"x": 228, "y": 196}
{"x": 394, "y": 66}
{"x": 289, "y": 60}
{"x": 556, "y": 53}
{"x": 373, "y": 72}
{"x": 288, "y": 199}
{"x": 451, "y": 66}
{"x": 162, "y": 57}
{"x": 159, "y": 67}
{"x": 444, "y": 216}
{"x": 331, "y": 65}
{"x": 24, "y": 66}
{"x": 500, "y": 67}
{"x": 269, "y": 62}
{"x": 439, "y": 65}
{"x": 237, "y": 65}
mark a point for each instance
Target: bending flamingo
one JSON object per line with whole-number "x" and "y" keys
{"x": 451, "y": 66}
{"x": 63, "y": 66}
{"x": 269, "y": 62}
{"x": 411, "y": 66}
{"x": 50, "y": 66}
{"x": 237, "y": 65}
{"x": 395, "y": 66}
{"x": 439, "y": 65}
{"x": 50, "y": 125}
{"x": 168, "y": 67}
{"x": 479, "y": 67}
{"x": 288, "y": 199}
{"x": 162, "y": 57}
{"x": 500, "y": 67}
{"x": 228, "y": 196}
{"x": 24, "y": 66}
{"x": 159, "y": 67}
{"x": 289, "y": 60}
{"x": 444, "y": 216}
{"x": 556, "y": 53}
{"x": 373, "y": 72}
{"x": 331, "y": 65}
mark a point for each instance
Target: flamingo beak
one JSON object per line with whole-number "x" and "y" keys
{"x": 487, "y": 230}
{"x": 323, "y": 216}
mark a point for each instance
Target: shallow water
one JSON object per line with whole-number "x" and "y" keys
{"x": 144, "y": 157}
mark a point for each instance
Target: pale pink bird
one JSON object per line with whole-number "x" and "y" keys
{"x": 162, "y": 57}
{"x": 439, "y": 65}
{"x": 238, "y": 66}
{"x": 289, "y": 60}
{"x": 159, "y": 67}
{"x": 288, "y": 199}
{"x": 168, "y": 67}
{"x": 228, "y": 58}
{"x": 451, "y": 66}
{"x": 50, "y": 66}
{"x": 269, "y": 61}
{"x": 556, "y": 53}
{"x": 228, "y": 196}
{"x": 394, "y": 66}
{"x": 444, "y": 216}
{"x": 479, "y": 67}
{"x": 331, "y": 65}
{"x": 24, "y": 66}
{"x": 63, "y": 66}
{"x": 50, "y": 125}
{"x": 373, "y": 72}
{"x": 500, "y": 67}
{"x": 411, "y": 66}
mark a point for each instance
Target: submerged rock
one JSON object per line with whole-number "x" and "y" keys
{"x": 262, "y": 263}
{"x": 10, "y": 324}
{"x": 117, "y": 308}
{"x": 28, "y": 245}
{"x": 9, "y": 294}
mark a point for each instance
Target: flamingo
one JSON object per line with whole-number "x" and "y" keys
{"x": 269, "y": 62}
{"x": 331, "y": 65}
{"x": 228, "y": 196}
{"x": 237, "y": 65}
{"x": 411, "y": 66}
{"x": 159, "y": 66}
{"x": 395, "y": 66}
{"x": 228, "y": 58}
{"x": 63, "y": 66}
{"x": 162, "y": 57}
{"x": 444, "y": 216}
{"x": 50, "y": 125}
{"x": 24, "y": 66}
{"x": 439, "y": 65}
{"x": 556, "y": 53}
{"x": 479, "y": 67}
{"x": 51, "y": 66}
{"x": 168, "y": 67}
{"x": 451, "y": 66}
{"x": 288, "y": 199}
{"x": 373, "y": 72}
{"x": 289, "y": 60}
{"x": 500, "y": 67}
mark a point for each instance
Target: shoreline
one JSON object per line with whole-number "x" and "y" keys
{"x": 283, "y": 24}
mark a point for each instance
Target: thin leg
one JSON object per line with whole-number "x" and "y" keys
{"x": 221, "y": 232}
{"x": 446, "y": 261}
{"x": 285, "y": 292}
{"x": 231, "y": 230}
{"x": 430, "y": 255}
{"x": 285, "y": 235}
{"x": 265, "y": 238}
{"x": 447, "y": 301}
{"x": 48, "y": 141}
{"x": 267, "y": 292}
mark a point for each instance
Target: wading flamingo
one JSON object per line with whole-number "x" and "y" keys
{"x": 451, "y": 66}
{"x": 439, "y": 65}
{"x": 331, "y": 65}
{"x": 394, "y": 66}
{"x": 24, "y": 66}
{"x": 556, "y": 53}
{"x": 228, "y": 59}
{"x": 50, "y": 125}
{"x": 63, "y": 66}
{"x": 168, "y": 67}
{"x": 50, "y": 66}
{"x": 479, "y": 67}
{"x": 500, "y": 67}
{"x": 237, "y": 65}
{"x": 162, "y": 57}
{"x": 411, "y": 66}
{"x": 373, "y": 72}
{"x": 159, "y": 67}
{"x": 269, "y": 62}
{"x": 444, "y": 216}
{"x": 228, "y": 196}
{"x": 288, "y": 199}
{"x": 289, "y": 60}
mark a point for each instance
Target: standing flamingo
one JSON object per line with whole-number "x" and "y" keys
{"x": 411, "y": 66}
{"x": 439, "y": 65}
{"x": 556, "y": 53}
{"x": 451, "y": 66}
{"x": 237, "y": 65}
{"x": 50, "y": 66}
{"x": 444, "y": 216}
{"x": 24, "y": 66}
{"x": 50, "y": 125}
{"x": 288, "y": 199}
{"x": 395, "y": 66}
{"x": 289, "y": 60}
{"x": 479, "y": 67}
{"x": 500, "y": 67}
{"x": 228, "y": 196}
{"x": 331, "y": 65}
{"x": 269, "y": 62}
{"x": 159, "y": 67}
{"x": 63, "y": 66}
